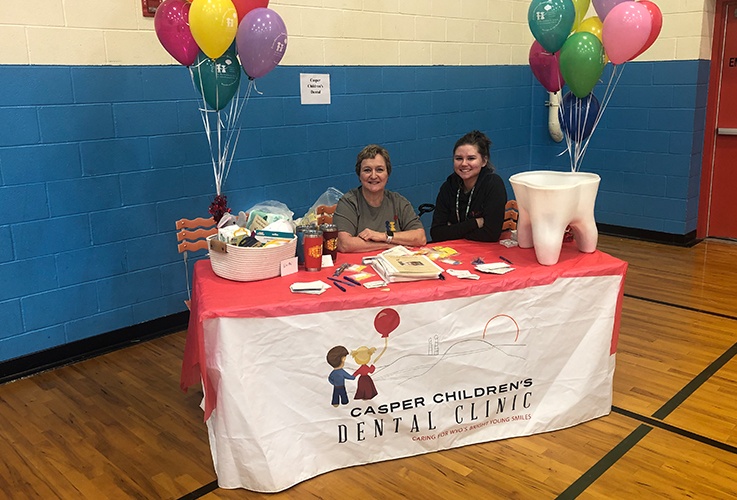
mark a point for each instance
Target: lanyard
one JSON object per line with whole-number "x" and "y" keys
{"x": 468, "y": 206}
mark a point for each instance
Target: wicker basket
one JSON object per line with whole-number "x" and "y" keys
{"x": 248, "y": 263}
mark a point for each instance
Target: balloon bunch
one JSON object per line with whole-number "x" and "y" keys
{"x": 570, "y": 50}
{"x": 216, "y": 39}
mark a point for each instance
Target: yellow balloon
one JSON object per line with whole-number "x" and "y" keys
{"x": 580, "y": 7}
{"x": 214, "y": 24}
{"x": 594, "y": 26}
{"x": 591, "y": 25}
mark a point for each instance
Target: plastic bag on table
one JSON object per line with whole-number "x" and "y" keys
{"x": 267, "y": 212}
{"x": 329, "y": 198}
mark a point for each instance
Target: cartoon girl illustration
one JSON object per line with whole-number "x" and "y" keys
{"x": 362, "y": 356}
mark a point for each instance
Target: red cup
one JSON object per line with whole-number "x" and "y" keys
{"x": 312, "y": 243}
{"x": 330, "y": 240}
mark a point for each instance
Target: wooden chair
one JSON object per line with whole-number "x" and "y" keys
{"x": 192, "y": 236}
{"x": 325, "y": 214}
{"x": 511, "y": 214}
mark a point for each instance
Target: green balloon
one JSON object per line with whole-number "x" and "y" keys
{"x": 217, "y": 79}
{"x": 582, "y": 61}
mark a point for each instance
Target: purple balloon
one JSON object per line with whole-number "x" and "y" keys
{"x": 546, "y": 67}
{"x": 603, "y": 7}
{"x": 261, "y": 41}
{"x": 171, "y": 23}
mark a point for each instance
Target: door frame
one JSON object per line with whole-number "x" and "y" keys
{"x": 709, "y": 149}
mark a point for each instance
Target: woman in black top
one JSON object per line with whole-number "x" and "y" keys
{"x": 471, "y": 201}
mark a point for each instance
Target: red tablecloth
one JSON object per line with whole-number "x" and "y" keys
{"x": 214, "y": 297}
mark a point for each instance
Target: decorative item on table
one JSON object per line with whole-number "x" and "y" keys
{"x": 573, "y": 51}
{"x": 259, "y": 254}
{"x": 216, "y": 39}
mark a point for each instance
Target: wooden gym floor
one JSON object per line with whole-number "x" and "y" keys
{"x": 117, "y": 426}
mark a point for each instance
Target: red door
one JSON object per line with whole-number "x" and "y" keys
{"x": 719, "y": 181}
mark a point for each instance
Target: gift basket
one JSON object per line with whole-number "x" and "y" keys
{"x": 251, "y": 246}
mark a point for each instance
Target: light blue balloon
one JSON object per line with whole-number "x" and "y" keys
{"x": 551, "y": 21}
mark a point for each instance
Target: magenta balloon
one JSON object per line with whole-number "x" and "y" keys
{"x": 546, "y": 67}
{"x": 625, "y": 31}
{"x": 171, "y": 23}
{"x": 261, "y": 41}
{"x": 603, "y": 7}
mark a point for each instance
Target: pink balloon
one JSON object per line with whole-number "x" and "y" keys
{"x": 171, "y": 23}
{"x": 626, "y": 29}
{"x": 546, "y": 67}
{"x": 657, "y": 23}
{"x": 261, "y": 41}
{"x": 603, "y": 7}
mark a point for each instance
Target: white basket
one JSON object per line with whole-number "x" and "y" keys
{"x": 249, "y": 263}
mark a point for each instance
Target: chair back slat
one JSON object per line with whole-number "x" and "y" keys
{"x": 192, "y": 233}
{"x": 511, "y": 214}
{"x": 325, "y": 214}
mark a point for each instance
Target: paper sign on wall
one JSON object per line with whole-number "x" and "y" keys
{"x": 314, "y": 88}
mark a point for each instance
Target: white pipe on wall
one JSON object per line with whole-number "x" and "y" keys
{"x": 553, "y": 105}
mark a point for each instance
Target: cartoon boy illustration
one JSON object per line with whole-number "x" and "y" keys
{"x": 336, "y": 358}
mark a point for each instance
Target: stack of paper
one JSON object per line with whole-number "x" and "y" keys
{"x": 312, "y": 287}
{"x": 399, "y": 264}
{"x": 494, "y": 268}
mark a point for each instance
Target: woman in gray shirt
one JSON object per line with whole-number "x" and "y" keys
{"x": 371, "y": 218}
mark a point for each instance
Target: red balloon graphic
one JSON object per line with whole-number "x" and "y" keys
{"x": 386, "y": 321}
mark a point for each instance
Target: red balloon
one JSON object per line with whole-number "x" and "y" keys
{"x": 657, "y": 23}
{"x": 243, "y": 7}
{"x": 386, "y": 321}
{"x": 546, "y": 67}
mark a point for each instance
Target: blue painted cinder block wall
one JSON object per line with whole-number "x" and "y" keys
{"x": 647, "y": 147}
{"x": 96, "y": 164}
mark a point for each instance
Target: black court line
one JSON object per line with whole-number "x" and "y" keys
{"x": 600, "y": 467}
{"x": 200, "y": 492}
{"x": 588, "y": 477}
{"x": 695, "y": 383}
{"x": 679, "y": 306}
{"x": 676, "y": 430}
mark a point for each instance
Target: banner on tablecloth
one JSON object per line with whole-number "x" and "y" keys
{"x": 302, "y": 395}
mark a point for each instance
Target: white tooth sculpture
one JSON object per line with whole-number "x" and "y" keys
{"x": 548, "y": 202}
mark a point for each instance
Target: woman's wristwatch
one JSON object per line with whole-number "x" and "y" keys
{"x": 389, "y": 235}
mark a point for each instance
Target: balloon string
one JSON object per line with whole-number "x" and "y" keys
{"x": 204, "y": 114}
{"x": 611, "y": 85}
{"x": 386, "y": 343}
{"x": 577, "y": 145}
{"x": 236, "y": 108}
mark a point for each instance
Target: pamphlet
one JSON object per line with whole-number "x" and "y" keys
{"x": 400, "y": 264}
